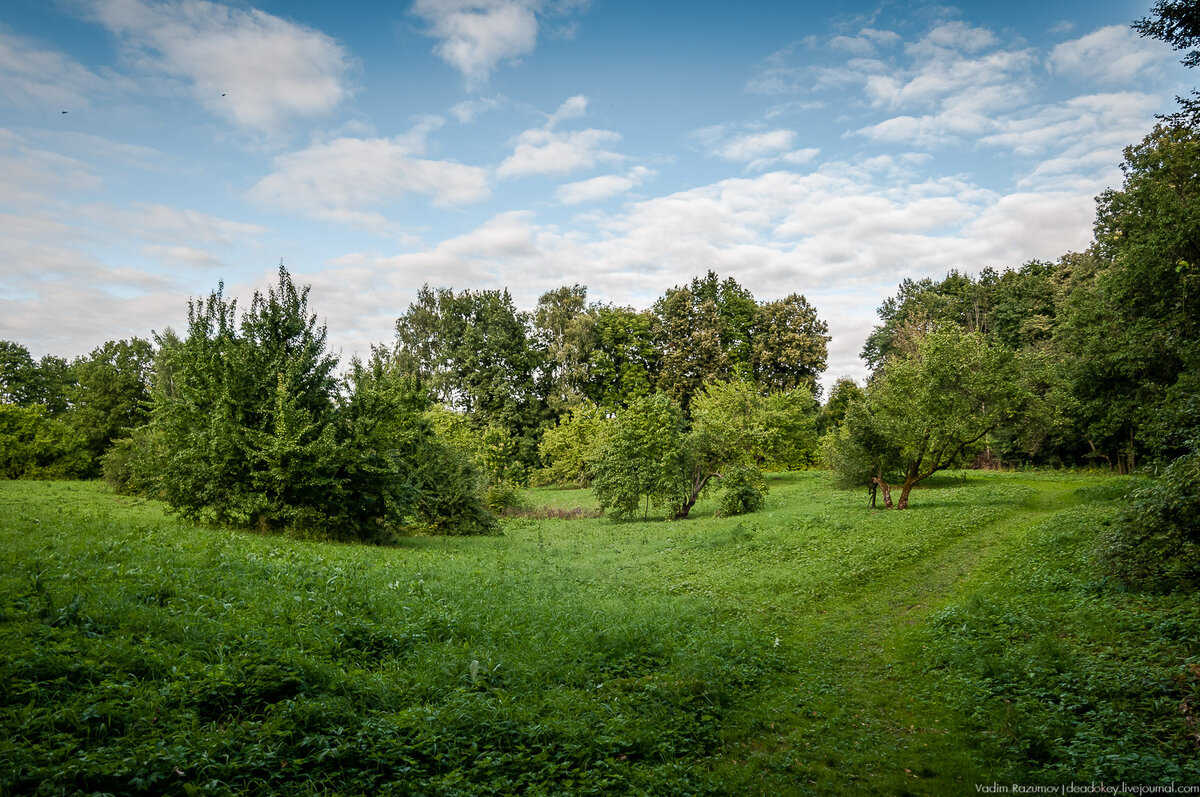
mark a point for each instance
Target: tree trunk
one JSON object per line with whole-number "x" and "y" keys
{"x": 887, "y": 492}
{"x": 697, "y": 487}
{"x": 904, "y": 491}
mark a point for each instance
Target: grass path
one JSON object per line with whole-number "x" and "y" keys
{"x": 863, "y": 719}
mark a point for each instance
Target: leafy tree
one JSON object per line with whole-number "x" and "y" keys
{"x": 565, "y": 333}
{"x": 688, "y": 335}
{"x": 920, "y": 307}
{"x": 110, "y": 392}
{"x": 641, "y": 461}
{"x": 18, "y": 375}
{"x": 1177, "y": 22}
{"x": 35, "y": 445}
{"x": 789, "y": 345}
{"x": 250, "y": 427}
{"x": 475, "y": 352}
{"x": 845, "y": 392}
{"x": 623, "y": 361}
{"x": 27, "y": 383}
{"x": 1128, "y": 319}
{"x": 927, "y": 412}
{"x": 566, "y": 448}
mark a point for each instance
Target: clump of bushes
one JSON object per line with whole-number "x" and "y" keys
{"x": 1156, "y": 539}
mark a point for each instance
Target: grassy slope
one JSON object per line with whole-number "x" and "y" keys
{"x": 814, "y": 647}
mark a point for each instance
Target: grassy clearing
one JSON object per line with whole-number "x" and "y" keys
{"x": 816, "y": 647}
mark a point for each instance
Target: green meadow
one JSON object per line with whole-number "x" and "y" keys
{"x": 815, "y": 647}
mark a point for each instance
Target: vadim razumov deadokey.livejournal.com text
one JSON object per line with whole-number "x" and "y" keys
{"x": 1089, "y": 788}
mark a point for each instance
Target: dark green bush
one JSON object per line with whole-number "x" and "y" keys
{"x": 744, "y": 491}
{"x": 1156, "y": 540}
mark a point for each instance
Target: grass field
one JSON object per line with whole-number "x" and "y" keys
{"x": 816, "y": 647}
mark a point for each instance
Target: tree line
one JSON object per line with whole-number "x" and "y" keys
{"x": 244, "y": 418}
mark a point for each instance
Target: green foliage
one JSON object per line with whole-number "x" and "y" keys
{"x": 929, "y": 411}
{"x": 743, "y": 490}
{"x": 249, "y": 428}
{"x": 622, "y": 365}
{"x": 789, "y": 345}
{"x": 567, "y": 448}
{"x": 110, "y": 392}
{"x": 1155, "y": 542}
{"x": 27, "y": 383}
{"x": 34, "y": 445}
{"x": 640, "y": 461}
{"x": 474, "y": 351}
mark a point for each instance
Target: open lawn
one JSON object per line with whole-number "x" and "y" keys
{"x": 816, "y": 647}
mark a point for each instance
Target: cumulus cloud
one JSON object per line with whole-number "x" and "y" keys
{"x": 546, "y": 150}
{"x": 348, "y": 180}
{"x": 843, "y": 235}
{"x": 474, "y": 36}
{"x": 253, "y": 69}
{"x": 1110, "y": 56}
{"x": 756, "y": 149}
{"x": 602, "y": 187}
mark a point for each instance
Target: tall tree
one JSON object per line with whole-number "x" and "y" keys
{"x": 623, "y": 363}
{"x": 789, "y": 345}
{"x": 110, "y": 393}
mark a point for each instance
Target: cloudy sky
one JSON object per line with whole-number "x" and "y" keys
{"x": 151, "y": 150}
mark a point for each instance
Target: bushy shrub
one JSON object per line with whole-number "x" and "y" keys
{"x": 743, "y": 491}
{"x": 250, "y": 427}
{"x": 1156, "y": 540}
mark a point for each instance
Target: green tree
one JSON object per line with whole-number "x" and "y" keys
{"x": 703, "y": 333}
{"x": 929, "y": 411}
{"x": 623, "y": 361}
{"x": 565, "y": 333}
{"x": 35, "y": 445}
{"x": 566, "y": 448}
{"x": 474, "y": 350}
{"x": 845, "y": 392}
{"x": 1177, "y": 22}
{"x": 250, "y": 427}
{"x": 110, "y": 392}
{"x": 789, "y": 345}
{"x": 641, "y": 462}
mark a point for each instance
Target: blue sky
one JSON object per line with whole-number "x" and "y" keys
{"x": 826, "y": 149}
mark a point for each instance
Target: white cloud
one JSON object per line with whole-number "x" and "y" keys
{"x": 349, "y": 180}
{"x": 468, "y": 111}
{"x": 34, "y": 78}
{"x": 603, "y": 187}
{"x": 1113, "y": 55}
{"x": 573, "y": 108}
{"x": 543, "y": 150}
{"x": 754, "y": 146}
{"x": 843, "y": 235}
{"x": 253, "y": 69}
{"x": 474, "y": 36}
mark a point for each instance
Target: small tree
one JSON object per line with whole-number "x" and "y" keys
{"x": 567, "y": 447}
{"x": 929, "y": 411}
{"x": 641, "y": 461}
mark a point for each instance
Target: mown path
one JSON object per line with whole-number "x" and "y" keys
{"x": 865, "y": 716}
